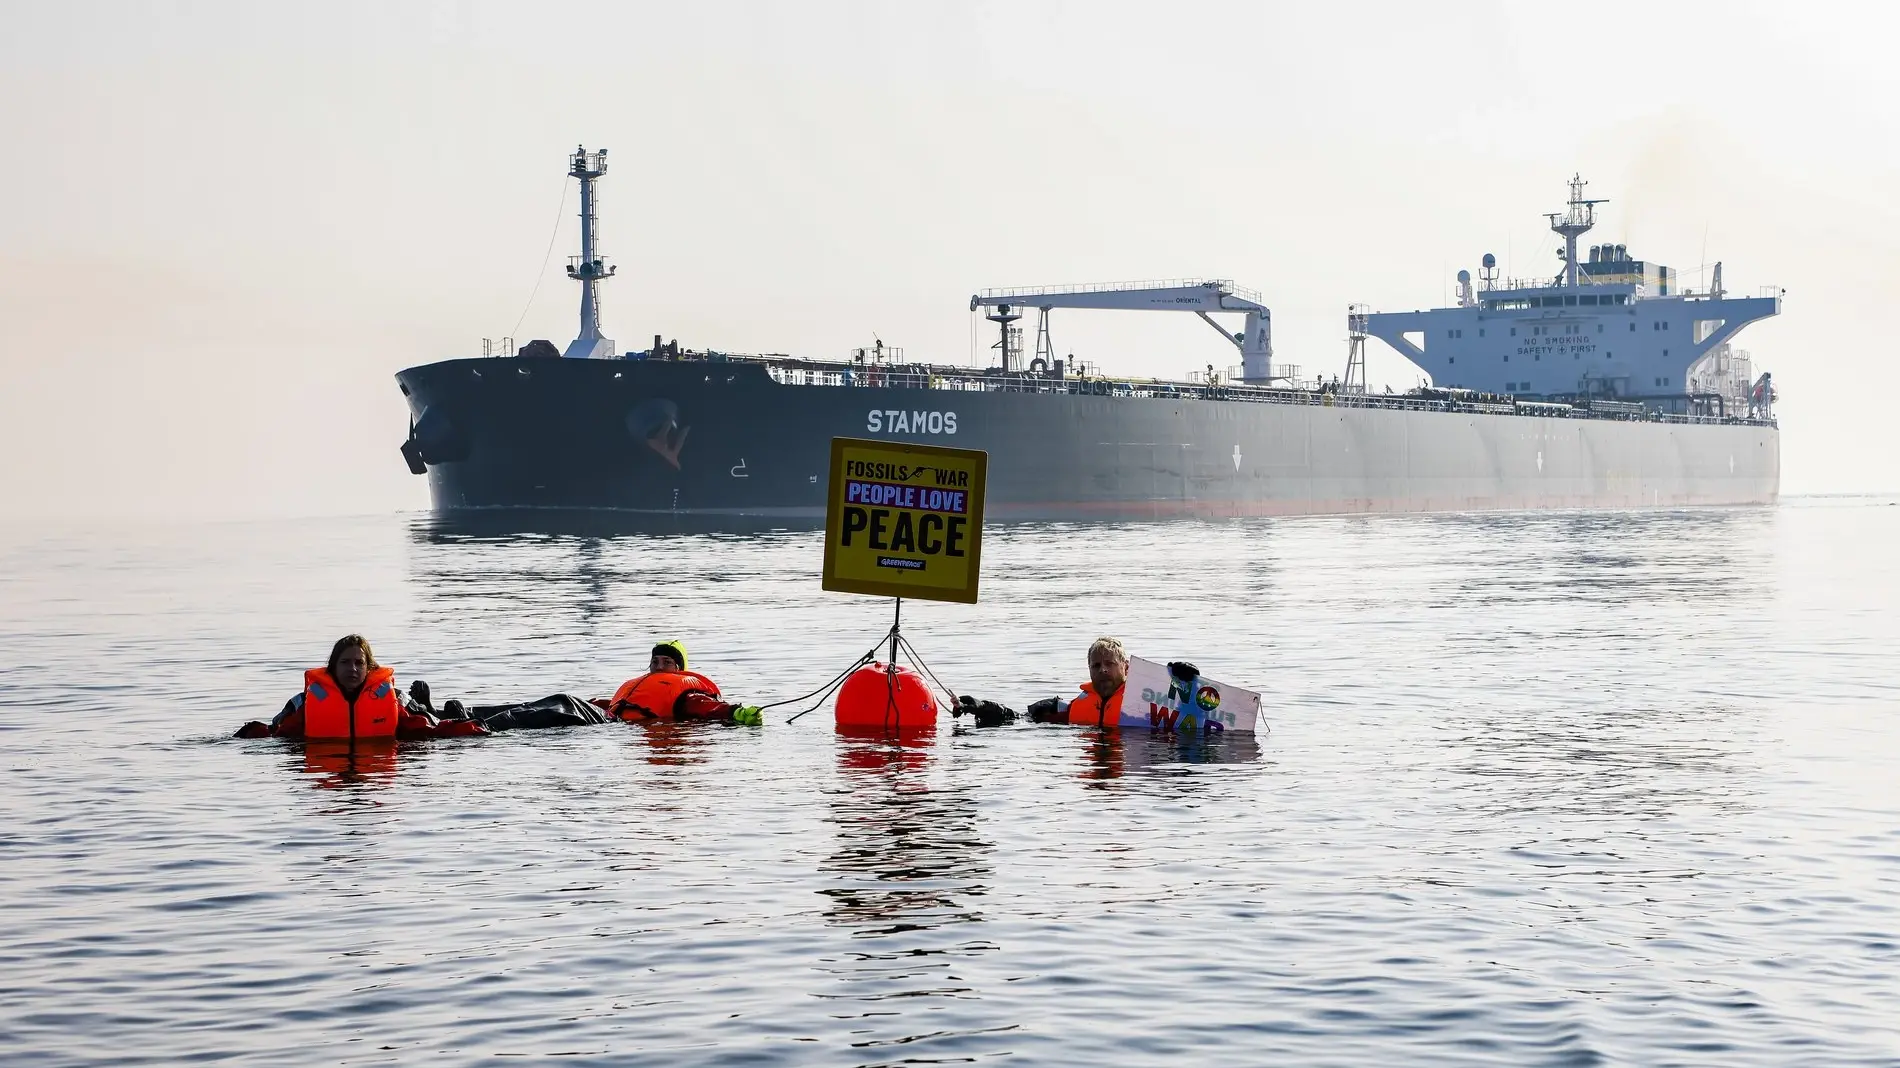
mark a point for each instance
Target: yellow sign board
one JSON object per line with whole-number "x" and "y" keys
{"x": 905, "y": 520}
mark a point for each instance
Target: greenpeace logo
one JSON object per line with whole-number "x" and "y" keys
{"x": 894, "y": 421}
{"x": 900, "y": 563}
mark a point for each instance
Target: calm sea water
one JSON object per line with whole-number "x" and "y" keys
{"x": 1540, "y": 789}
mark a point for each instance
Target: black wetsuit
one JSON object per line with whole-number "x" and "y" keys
{"x": 554, "y": 710}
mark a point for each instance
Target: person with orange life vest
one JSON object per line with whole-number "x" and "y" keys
{"x": 353, "y": 698}
{"x": 669, "y": 691}
{"x": 1100, "y": 704}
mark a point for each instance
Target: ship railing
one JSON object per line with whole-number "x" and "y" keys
{"x": 1508, "y": 285}
{"x": 1546, "y": 283}
{"x": 928, "y": 377}
{"x": 1225, "y": 284}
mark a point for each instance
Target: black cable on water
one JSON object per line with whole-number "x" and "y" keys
{"x": 815, "y": 705}
{"x": 830, "y": 688}
{"x": 897, "y": 641}
{"x": 825, "y": 691}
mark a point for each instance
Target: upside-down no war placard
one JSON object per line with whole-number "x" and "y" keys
{"x": 1156, "y": 700}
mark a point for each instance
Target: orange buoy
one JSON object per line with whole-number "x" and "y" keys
{"x": 875, "y": 699}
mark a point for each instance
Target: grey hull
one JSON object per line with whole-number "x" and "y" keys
{"x": 711, "y": 438}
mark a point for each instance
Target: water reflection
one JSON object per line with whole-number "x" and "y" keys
{"x": 1110, "y": 755}
{"x": 532, "y": 573}
{"x": 591, "y": 577}
{"x": 502, "y": 523}
{"x": 573, "y": 582}
{"x": 1612, "y": 556}
{"x": 908, "y": 854}
{"x": 364, "y": 765}
{"x": 672, "y": 743}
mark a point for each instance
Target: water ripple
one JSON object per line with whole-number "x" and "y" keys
{"x": 1571, "y": 789}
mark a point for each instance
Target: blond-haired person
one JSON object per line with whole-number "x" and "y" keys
{"x": 1100, "y": 704}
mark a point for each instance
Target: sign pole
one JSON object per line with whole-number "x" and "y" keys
{"x": 896, "y": 617}
{"x": 890, "y": 665}
{"x": 903, "y": 519}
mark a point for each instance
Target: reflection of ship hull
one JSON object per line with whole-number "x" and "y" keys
{"x": 714, "y": 437}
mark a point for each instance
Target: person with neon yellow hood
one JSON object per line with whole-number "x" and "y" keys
{"x": 669, "y": 691}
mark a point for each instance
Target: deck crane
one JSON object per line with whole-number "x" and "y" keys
{"x": 1202, "y": 296}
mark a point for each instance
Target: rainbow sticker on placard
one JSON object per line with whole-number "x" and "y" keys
{"x": 1208, "y": 698}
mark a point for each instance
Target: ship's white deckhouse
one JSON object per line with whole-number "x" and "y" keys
{"x": 1606, "y": 326}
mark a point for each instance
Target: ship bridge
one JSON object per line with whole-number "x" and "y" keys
{"x": 1610, "y": 325}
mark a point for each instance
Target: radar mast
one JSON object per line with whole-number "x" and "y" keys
{"x": 1574, "y": 224}
{"x": 589, "y": 267}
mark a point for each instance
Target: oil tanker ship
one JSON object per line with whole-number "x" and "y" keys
{"x": 1602, "y": 386}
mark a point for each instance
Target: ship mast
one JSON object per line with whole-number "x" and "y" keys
{"x": 589, "y": 267}
{"x": 1574, "y": 224}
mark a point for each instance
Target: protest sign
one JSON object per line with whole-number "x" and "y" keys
{"x": 1156, "y": 700}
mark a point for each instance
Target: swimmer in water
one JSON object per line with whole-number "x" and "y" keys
{"x": 669, "y": 691}
{"x": 1100, "y": 704}
{"x": 351, "y": 696}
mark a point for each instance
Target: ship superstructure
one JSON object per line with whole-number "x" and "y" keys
{"x": 1605, "y": 327}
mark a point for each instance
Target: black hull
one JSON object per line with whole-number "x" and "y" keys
{"x": 715, "y": 439}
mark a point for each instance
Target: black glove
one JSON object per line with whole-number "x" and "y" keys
{"x": 987, "y": 713}
{"x": 1183, "y": 670}
{"x": 1047, "y": 710}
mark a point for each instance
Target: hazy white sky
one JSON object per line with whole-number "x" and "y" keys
{"x": 226, "y": 225}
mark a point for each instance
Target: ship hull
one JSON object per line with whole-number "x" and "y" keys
{"x": 718, "y": 438}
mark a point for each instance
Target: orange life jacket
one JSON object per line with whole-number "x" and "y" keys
{"x": 329, "y": 715}
{"x": 654, "y": 694}
{"x": 1087, "y": 710}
